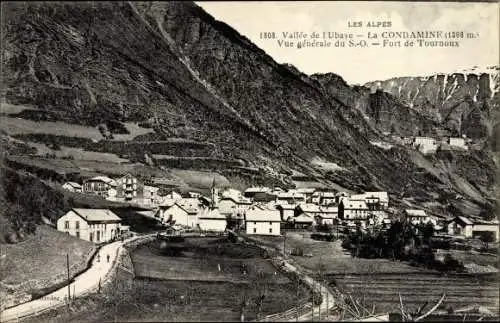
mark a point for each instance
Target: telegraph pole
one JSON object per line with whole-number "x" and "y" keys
{"x": 312, "y": 307}
{"x": 297, "y": 301}
{"x": 69, "y": 288}
{"x": 319, "y": 308}
{"x": 284, "y": 242}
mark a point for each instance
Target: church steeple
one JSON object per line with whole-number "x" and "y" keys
{"x": 215, "y": 195}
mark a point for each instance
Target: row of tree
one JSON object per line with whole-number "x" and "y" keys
{"x": 402, "y": 241}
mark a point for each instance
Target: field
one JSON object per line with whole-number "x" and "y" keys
{"x": 378, "y": 281}
{"x": 331, "y": 254}
{"x": 17, "y": 126}
{"x": 382, "y": 290}
{"x": 199, "y": 179}
{"x": 77, "y": 153}
{"x": 190, "y": 286}
{"x": 40, "y": 262}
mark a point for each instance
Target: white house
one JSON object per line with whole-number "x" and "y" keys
{"x": 463, "y": 226}
{"x": 212, "y": 220}
{"x": 232, "y": 193}
{"x": 323, "y": 198}
{"x": 150, "y": 195}
{"x": 290, "y": 198}
{"x": 72, "y": 187}
{"x": 415, "y": 216}
{"x": 175, "y": 196}
{"x": 353, "y": 210}
{"x": 233, "y": 206}
{"x": 327, "y": 215}
{"x": 426, "y": 145}
{"x": 303, "y": 221}
{"x": 94, "y": 225}
{"x": 262, "y": 221}
{"x": 100, "y": 185}
{"x": 286, "y": 211}
{"x": 179, "y": 213}
{"x": 460, "y": 226}
{"x": 457, "y": 142}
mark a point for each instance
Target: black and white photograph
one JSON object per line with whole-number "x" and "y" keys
{"x": 234, "y": 161}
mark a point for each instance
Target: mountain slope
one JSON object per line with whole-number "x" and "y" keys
{"x": 172, "y": 65}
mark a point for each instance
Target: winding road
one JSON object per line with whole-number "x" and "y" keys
{"x": 83, "y": 284}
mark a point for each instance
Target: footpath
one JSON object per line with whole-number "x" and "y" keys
{"x": 306, "y": 311}
{"x": 87, "y": 282}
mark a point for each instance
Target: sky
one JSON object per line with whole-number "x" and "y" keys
{"x": 361, "y": 65}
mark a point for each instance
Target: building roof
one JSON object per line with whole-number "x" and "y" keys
{"x": 257, "y": 189}
{"x": 412, "y": 212}
{"x": 104, "y": 179}
{"x": 259, "y": 215}
{"x": 213, "y": 214}
{"x": 73, "y": 184}
{"x": 350, "y": 204}
{"x": 148, "y": 213}
{"x": 286, "y": 206}
{"x": 383, "y": 196}
{"x": 95, "y": 215}
{"x": 151, "y": 188}
{"x": 303, "y": 218}
{"x": 189, "y": 208}
{"x": 306, "y": 190}
{"x": 288, "y": 195}
{"x": 240, "y": 200}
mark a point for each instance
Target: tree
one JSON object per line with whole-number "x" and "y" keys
{"x": 487, "y": 237}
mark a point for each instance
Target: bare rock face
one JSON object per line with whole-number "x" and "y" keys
{"x": 464, "y": 103}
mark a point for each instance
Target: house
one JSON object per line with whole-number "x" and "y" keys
{"x": 426, "y": 145}
{"x": 374, "y": 200}
{"x": 327, "y": 215}
{"x": 415, "y": 216}
{"x": 457, "y": 143}
{"x": 466, "y": 227}
{"x": 233, "y": 206}
{"x": 182, "y": 212}
{"x": 173, "y": 195}
{"x": 353, "y": 210}
{"x": 94, "y": 225}
{"x": 303, "y": 221}
{"x": 307, "y": 192}
{"x": 460, "y": 226}
{"x": 262, "y": 221}
{"x": 323, "y": 198}
{"x": 339, "y": 196}
{"x": 264, "y": 197}
{"x": 100, "y": 185}
{"x": 252, "y": 191}
{"x": 72, "y": 187}
{"x": 212, "y": 220}
{"x": 150, "y": 195}
{"x": 286, "y": 211}
{"x": 232, "y": 193}
{"x": 290, "y": 198}
{"x": 129, "y": 188}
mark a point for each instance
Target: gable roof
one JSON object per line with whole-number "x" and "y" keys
{"x": 288, "y": 195}
{"x": 259, "y": 215}
{"x": 73, "y": 184}
{"x": 212, "y": 214}
{"x": 236, "y": 201}
{"x": 350, "y": 204}
{"x": 412, "y": 212}
{"x": 286, "y": 206}
{"x": 303, "y": 217}
{"x": 94, "y": 215}
{"x": 188, "y": 208}
{"x": 104, "y": 179}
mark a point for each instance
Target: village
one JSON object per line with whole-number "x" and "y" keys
{"x": 255, "y": 211}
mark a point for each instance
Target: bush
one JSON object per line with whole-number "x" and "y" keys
{"x": 322, "y": 237}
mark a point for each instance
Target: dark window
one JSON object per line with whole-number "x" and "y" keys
{"x": 66, "y": 224}
{"x": 77, "y": 224}
{"x": 78, "y": 234}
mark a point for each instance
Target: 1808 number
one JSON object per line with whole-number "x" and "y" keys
{"x": 267, "y": 35}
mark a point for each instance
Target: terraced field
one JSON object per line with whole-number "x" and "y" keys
{"x": 382, "y": 290}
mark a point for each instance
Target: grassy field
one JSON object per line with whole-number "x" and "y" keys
{"x": 190, "y": 287}
{"x": 199, "y": 179}
{"x": 77, "y": 153}
{"x": 382, "y": 290}
{"x": 40, "y": 261}
{"x": 331, "y": 254}
{"x": 16, "y": 126}
{"x": 8, "y": 108}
